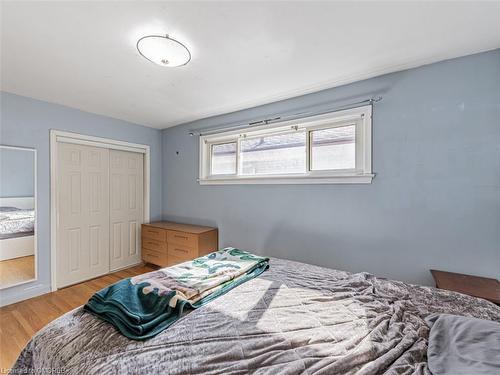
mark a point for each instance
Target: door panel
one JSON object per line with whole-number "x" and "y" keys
{"x": 126, "y": 213}
{"x": 83, "y": 207}
{"x": 133, "y": 229}
{"x": 116, "y": 240}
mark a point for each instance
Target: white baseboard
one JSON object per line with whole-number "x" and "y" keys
{"x": 125, "y": 267}
{"x": 29, "y": 292}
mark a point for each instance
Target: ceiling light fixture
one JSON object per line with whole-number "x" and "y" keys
{"x": 163, "y": 50}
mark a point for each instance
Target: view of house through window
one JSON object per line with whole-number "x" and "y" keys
{"x": 333, "y": 148}
{"x": 313, "y": 148}
{"x": 274, "y": 154}
{"x": 223, "y": 160}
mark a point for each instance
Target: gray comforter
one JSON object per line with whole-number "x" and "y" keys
{"x": 16, "y": 222}
{"x": 294, "y": 318}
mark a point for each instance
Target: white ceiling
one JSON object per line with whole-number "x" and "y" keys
{"x": 83, "y": 54}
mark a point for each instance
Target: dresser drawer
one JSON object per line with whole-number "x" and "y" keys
{"x": 153, "y": 233}
{"x": 173, "y": 260}
{"x": 155, "y": 245}
{"x": 183, "y": 239}
{"x": 154, "y": 257}
{"x": 183, "y": 252}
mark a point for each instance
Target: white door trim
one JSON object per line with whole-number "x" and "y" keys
{"x": 68, "y": 137}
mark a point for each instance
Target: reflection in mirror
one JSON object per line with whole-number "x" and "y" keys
{"x": 17, "y": 215}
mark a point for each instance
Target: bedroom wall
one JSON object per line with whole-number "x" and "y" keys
{"x": 26, "y": 122}
{"x": 16, "y": 173}
{"x": 434, "y": 203}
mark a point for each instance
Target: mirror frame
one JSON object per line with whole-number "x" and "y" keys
{"x": 35, "y": 207}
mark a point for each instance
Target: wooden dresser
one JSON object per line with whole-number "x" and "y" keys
{"x": 166, "y": 243}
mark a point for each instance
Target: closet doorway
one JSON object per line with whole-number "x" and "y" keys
{"x": 100, "y": 198}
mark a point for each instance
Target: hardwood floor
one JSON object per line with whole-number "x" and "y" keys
{"x": 16, "y": 270}
{"x": 20, "y": 321}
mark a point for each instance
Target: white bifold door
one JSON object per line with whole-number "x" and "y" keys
{"x": 100, "y": 209}
{"x": 126, "y": 211}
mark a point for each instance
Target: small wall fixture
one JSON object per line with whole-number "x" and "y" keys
{"x": 163, "y": 50}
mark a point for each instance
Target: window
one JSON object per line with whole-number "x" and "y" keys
{"x": 333, "y": 148}
{"x": 329, "y": 148}
{"x": 223, "y": 159}
{"x": 273, "y": 154}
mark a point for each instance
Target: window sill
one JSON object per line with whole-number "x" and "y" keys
{"x": 291, "y": 180}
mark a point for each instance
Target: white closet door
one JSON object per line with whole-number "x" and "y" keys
{"x": 83, "y": 206}
{"x": 126, "y": 208}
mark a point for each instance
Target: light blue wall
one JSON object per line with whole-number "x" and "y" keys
{"x": 435, "y": 202}
{"x": 26, "y": 122}
{"x": 16, "y": 172}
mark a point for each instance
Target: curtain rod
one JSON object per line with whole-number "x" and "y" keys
{"x": 280, "y": 118}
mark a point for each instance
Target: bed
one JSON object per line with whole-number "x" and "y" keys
{"x": 294, "y": 318}
{"x": 17, "y": 226}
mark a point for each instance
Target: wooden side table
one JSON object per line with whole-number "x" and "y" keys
{"x": 476, "y": 286}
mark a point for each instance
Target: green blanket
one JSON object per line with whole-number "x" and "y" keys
{"x": 140, "y": 307}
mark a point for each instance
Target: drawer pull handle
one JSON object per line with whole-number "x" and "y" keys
{"x": 152, "y": 255}
{"x": 178, "y": 236}
{"x": 181, "y": 250}
{"x": 152, "y": 231}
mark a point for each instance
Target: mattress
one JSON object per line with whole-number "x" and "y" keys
{"x": 16, "y": 222}
{"x": 294, "y": 318}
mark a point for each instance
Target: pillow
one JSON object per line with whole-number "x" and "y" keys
{"x": 461, "y": 345}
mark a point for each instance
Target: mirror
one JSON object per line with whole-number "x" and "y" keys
{"x": 17, "y": 215}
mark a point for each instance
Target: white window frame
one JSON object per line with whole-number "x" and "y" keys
{"x": 362, "y": 174}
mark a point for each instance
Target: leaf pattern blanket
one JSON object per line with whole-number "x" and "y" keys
{"x": 141, "y": 307}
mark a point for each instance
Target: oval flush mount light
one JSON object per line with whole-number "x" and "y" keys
{"x": 163, "y": 50}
